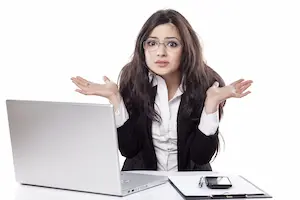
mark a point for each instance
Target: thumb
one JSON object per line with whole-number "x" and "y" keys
{"x": 216, "y": 84}
{"x": 106, "y": 80}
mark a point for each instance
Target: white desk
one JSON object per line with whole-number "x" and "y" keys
{"x": 15, "y": 191}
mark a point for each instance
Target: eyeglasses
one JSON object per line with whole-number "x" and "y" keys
{"x": 171, "y": 45}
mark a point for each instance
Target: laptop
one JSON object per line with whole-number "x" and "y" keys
{"x": 71, "y": 146}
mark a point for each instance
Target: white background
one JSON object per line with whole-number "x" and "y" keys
{"x": 44, "y": 43}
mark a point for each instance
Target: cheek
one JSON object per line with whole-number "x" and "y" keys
{"x": 149, "y": 59}
{"x": 176, "y": 58}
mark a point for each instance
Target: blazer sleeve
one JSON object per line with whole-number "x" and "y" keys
{"x": 203, "y": 147}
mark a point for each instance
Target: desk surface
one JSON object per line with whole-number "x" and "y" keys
{"x": 12, "y": 190}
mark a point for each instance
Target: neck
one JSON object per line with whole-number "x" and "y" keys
{"x": 173, "y": 81}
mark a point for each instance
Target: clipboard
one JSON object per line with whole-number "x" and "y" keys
{"x": 187, "y": 187}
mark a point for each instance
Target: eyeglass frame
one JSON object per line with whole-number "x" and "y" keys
{"x": 159, "y": 43}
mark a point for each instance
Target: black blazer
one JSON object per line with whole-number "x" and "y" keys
{"x": 195, "y": 149}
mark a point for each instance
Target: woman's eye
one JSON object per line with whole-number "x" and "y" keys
{"x": 151, "y": 43}
{"x": 172, "y": 44}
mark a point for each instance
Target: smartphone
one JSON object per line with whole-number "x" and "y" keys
{"x": 218, "y": 182}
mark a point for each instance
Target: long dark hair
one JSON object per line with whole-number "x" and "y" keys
{"x": 196, "y": 75}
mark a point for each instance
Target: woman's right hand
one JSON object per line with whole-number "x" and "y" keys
{"x": 109, "y": 89}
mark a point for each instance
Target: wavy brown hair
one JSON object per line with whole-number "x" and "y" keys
{"x": 196, "y": 75}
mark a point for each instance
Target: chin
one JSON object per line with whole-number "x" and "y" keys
{"x": 162, "y": 71}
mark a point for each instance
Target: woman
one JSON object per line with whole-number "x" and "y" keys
{"x": 169, "y": 102}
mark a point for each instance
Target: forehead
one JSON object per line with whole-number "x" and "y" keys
{"x": 164, "y": 31}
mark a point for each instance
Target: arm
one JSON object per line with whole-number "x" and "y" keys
{"x": 203, "y": 147}
{"x": 204, "y": 144}
{"x": 129, "y": 141}
{"x": 121, "y": 114}
{"x": 205, "y": 139}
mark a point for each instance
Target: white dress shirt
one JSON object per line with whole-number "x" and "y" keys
{"x": 165, "y": 134}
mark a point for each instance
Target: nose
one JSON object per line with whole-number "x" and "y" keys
{"x": 161, "y": 50}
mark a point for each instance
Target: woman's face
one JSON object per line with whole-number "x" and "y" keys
{"x": 163, "y": 50}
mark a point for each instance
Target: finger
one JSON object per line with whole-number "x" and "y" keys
{"x": 246, "y": 83}
{"x": 82, "y": 80}
{"x": 79, "y": 84}
{"x": 240, "y": 85}
{"x": 238, "y": 81}
{"x": 245, "y": 87}
{"x": 244, "y": 94}
{"x": 106, "y": 79}
{"x": 84, "y": 92}
{"x": 216, "y": 84}
{"x": 74, "y": 79}
{"x": 81, "y": 91}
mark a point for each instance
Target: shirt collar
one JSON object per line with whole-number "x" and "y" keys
{"x": 156, "y": 80}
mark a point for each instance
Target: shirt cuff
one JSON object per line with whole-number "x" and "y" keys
{"x": 121, "y": 114}
{"x": 209, "y": 123}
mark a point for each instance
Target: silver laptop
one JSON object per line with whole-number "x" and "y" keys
{"x": 70, "y": 146}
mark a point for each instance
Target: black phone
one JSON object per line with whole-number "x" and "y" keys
{"x": 218, "y": 182}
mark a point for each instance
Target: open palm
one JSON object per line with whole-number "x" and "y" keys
{"x": 236, "y": 89}
{"x": 86, "y": 87}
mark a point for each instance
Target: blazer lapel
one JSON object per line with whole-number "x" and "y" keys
{"x": 185, "y": 126}
{"x": 182, "y": 126}
{"x": 152, "y": 164}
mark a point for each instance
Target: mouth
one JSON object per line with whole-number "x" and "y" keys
{"x": 162, "y": 63}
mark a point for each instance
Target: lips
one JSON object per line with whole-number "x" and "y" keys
{"x": 162, "y": 62}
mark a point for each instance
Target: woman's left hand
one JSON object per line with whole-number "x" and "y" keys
{"x": 216, "y": 95}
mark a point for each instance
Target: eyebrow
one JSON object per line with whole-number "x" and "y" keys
{"x": 165, "y": 37}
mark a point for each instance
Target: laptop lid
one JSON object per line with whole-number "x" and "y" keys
{"x": 65, "y": 145}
